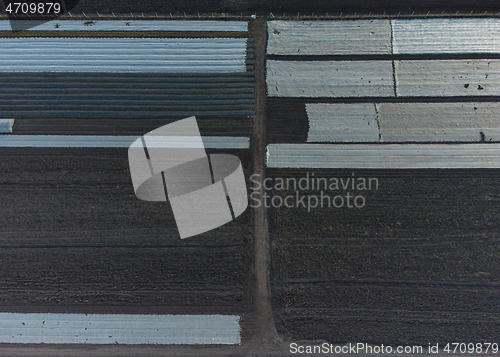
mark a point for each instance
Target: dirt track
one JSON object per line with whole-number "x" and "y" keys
{"x": 266, "y": 332}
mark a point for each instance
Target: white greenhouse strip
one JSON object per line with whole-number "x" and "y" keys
{"x": 6, "y": 125}
{"x": 439, "y": 122}
{"x": 134, "y": 25}
{"x": 330, "y": 79}
{"x": 421, "y": 36}
{"x": 386, "y": 156}
{"x": 342, "y": 122}
{"x": 447, "y": 78}
{"x": 122, "y": 55}
{"x": 359, "y": 37}
{"x": 404, "y": 122}
{"x": 94, "y": 141}
{"x": 329, "y": 37}
{"x": 119, "y": 329}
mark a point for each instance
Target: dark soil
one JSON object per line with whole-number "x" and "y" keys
{"x": 286, "y": 121}
{"x": 73, "y": 234}
{"x": 417, "y": 264}
{"x": 106, "y": 277}
{"x": 124, "y": 104}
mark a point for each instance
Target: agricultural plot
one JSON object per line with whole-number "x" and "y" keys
{"x": 394, "y": 156}
{"x": 86, "y": 243}
{"x": 76, "y": 238}
{"x": 439, "y": 36}
{"x": 120, "y": 329}
{"x": 123, "y": 55}
{"x": 101, "y": 141}
{"x": 329, "y": 37}
{"x": 384, "y": 37}
{"x": 125, "y": 104}
{"x": 416, "y": 263}
{"x": 330, "y": 79}
{"x": 287, "y": 121}
{"x": 439, "y": 122}
{"x": 209, "y": 78}
{"x": 343, "y": 123}
{"x": 410, "y": 259}
{"x": 404, "y": 122}
{"x": 408, "y": 78}
{"x": 447, "y": 78}
{"x": 135, "y": 25}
